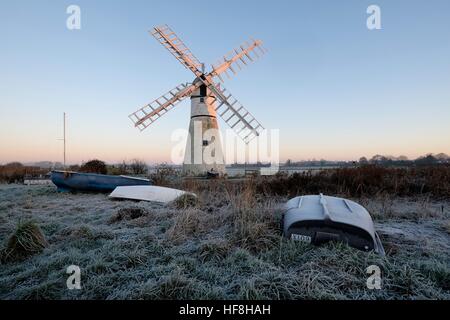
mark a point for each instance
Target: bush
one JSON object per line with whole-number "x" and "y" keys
{"x": 94, "y": 166}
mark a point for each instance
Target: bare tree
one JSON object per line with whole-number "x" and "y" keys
{"x": 138, "y": 167}
{"x": 123, "y": 167}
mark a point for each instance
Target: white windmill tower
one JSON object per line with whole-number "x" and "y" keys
{"x": 203, "y": 152}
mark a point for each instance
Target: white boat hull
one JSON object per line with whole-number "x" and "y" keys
{"x": 147, "y": 193}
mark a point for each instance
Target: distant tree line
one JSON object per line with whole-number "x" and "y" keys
{"x": 16, "y": 172}
{"x": 426, "y": 160}
{"x": 381, "y": 160}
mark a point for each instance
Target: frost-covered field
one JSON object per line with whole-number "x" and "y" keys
{"x": 225, "y": 247}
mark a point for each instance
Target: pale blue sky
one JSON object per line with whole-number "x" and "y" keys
{"x": 334, "y": 89}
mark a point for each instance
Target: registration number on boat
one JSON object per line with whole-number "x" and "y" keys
{"x": 300, "y": 237}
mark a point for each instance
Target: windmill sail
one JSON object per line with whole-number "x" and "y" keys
{"x": 151, "y": 112}
{"x": 243, "y": 55}
{"x": 235, "y": 115}
{"x": 177, "y": 48}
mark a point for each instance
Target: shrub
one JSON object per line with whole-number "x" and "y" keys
{"x": 94, "y": 166}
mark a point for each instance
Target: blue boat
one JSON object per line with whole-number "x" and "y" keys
{"x": 80, "y": 181}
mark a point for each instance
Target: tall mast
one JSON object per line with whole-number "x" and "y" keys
{"x": 64, "y": 121}
{"x": 64, "y": 138}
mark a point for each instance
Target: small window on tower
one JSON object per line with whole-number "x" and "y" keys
{"x": 205, "y": 143}
{"x": 202, "y": 100}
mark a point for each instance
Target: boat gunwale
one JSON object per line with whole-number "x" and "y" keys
{"x": 100, "y": 175}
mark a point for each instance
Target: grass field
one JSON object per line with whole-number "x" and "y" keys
{"x": 226, "y": 246}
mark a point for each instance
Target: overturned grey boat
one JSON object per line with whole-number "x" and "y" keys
{"x": 317, "y": 219}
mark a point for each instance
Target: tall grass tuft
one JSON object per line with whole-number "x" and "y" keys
{"x": 253, "y": 219}
{"x": 187, "y": 223}
{"x": 27, "y": 240}
{"x": 187, "y": 200}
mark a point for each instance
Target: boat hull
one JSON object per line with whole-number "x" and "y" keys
{"x": 148, "y": 193}
{"x": 78, "y": 181}
{"x": 318, "y": 219}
